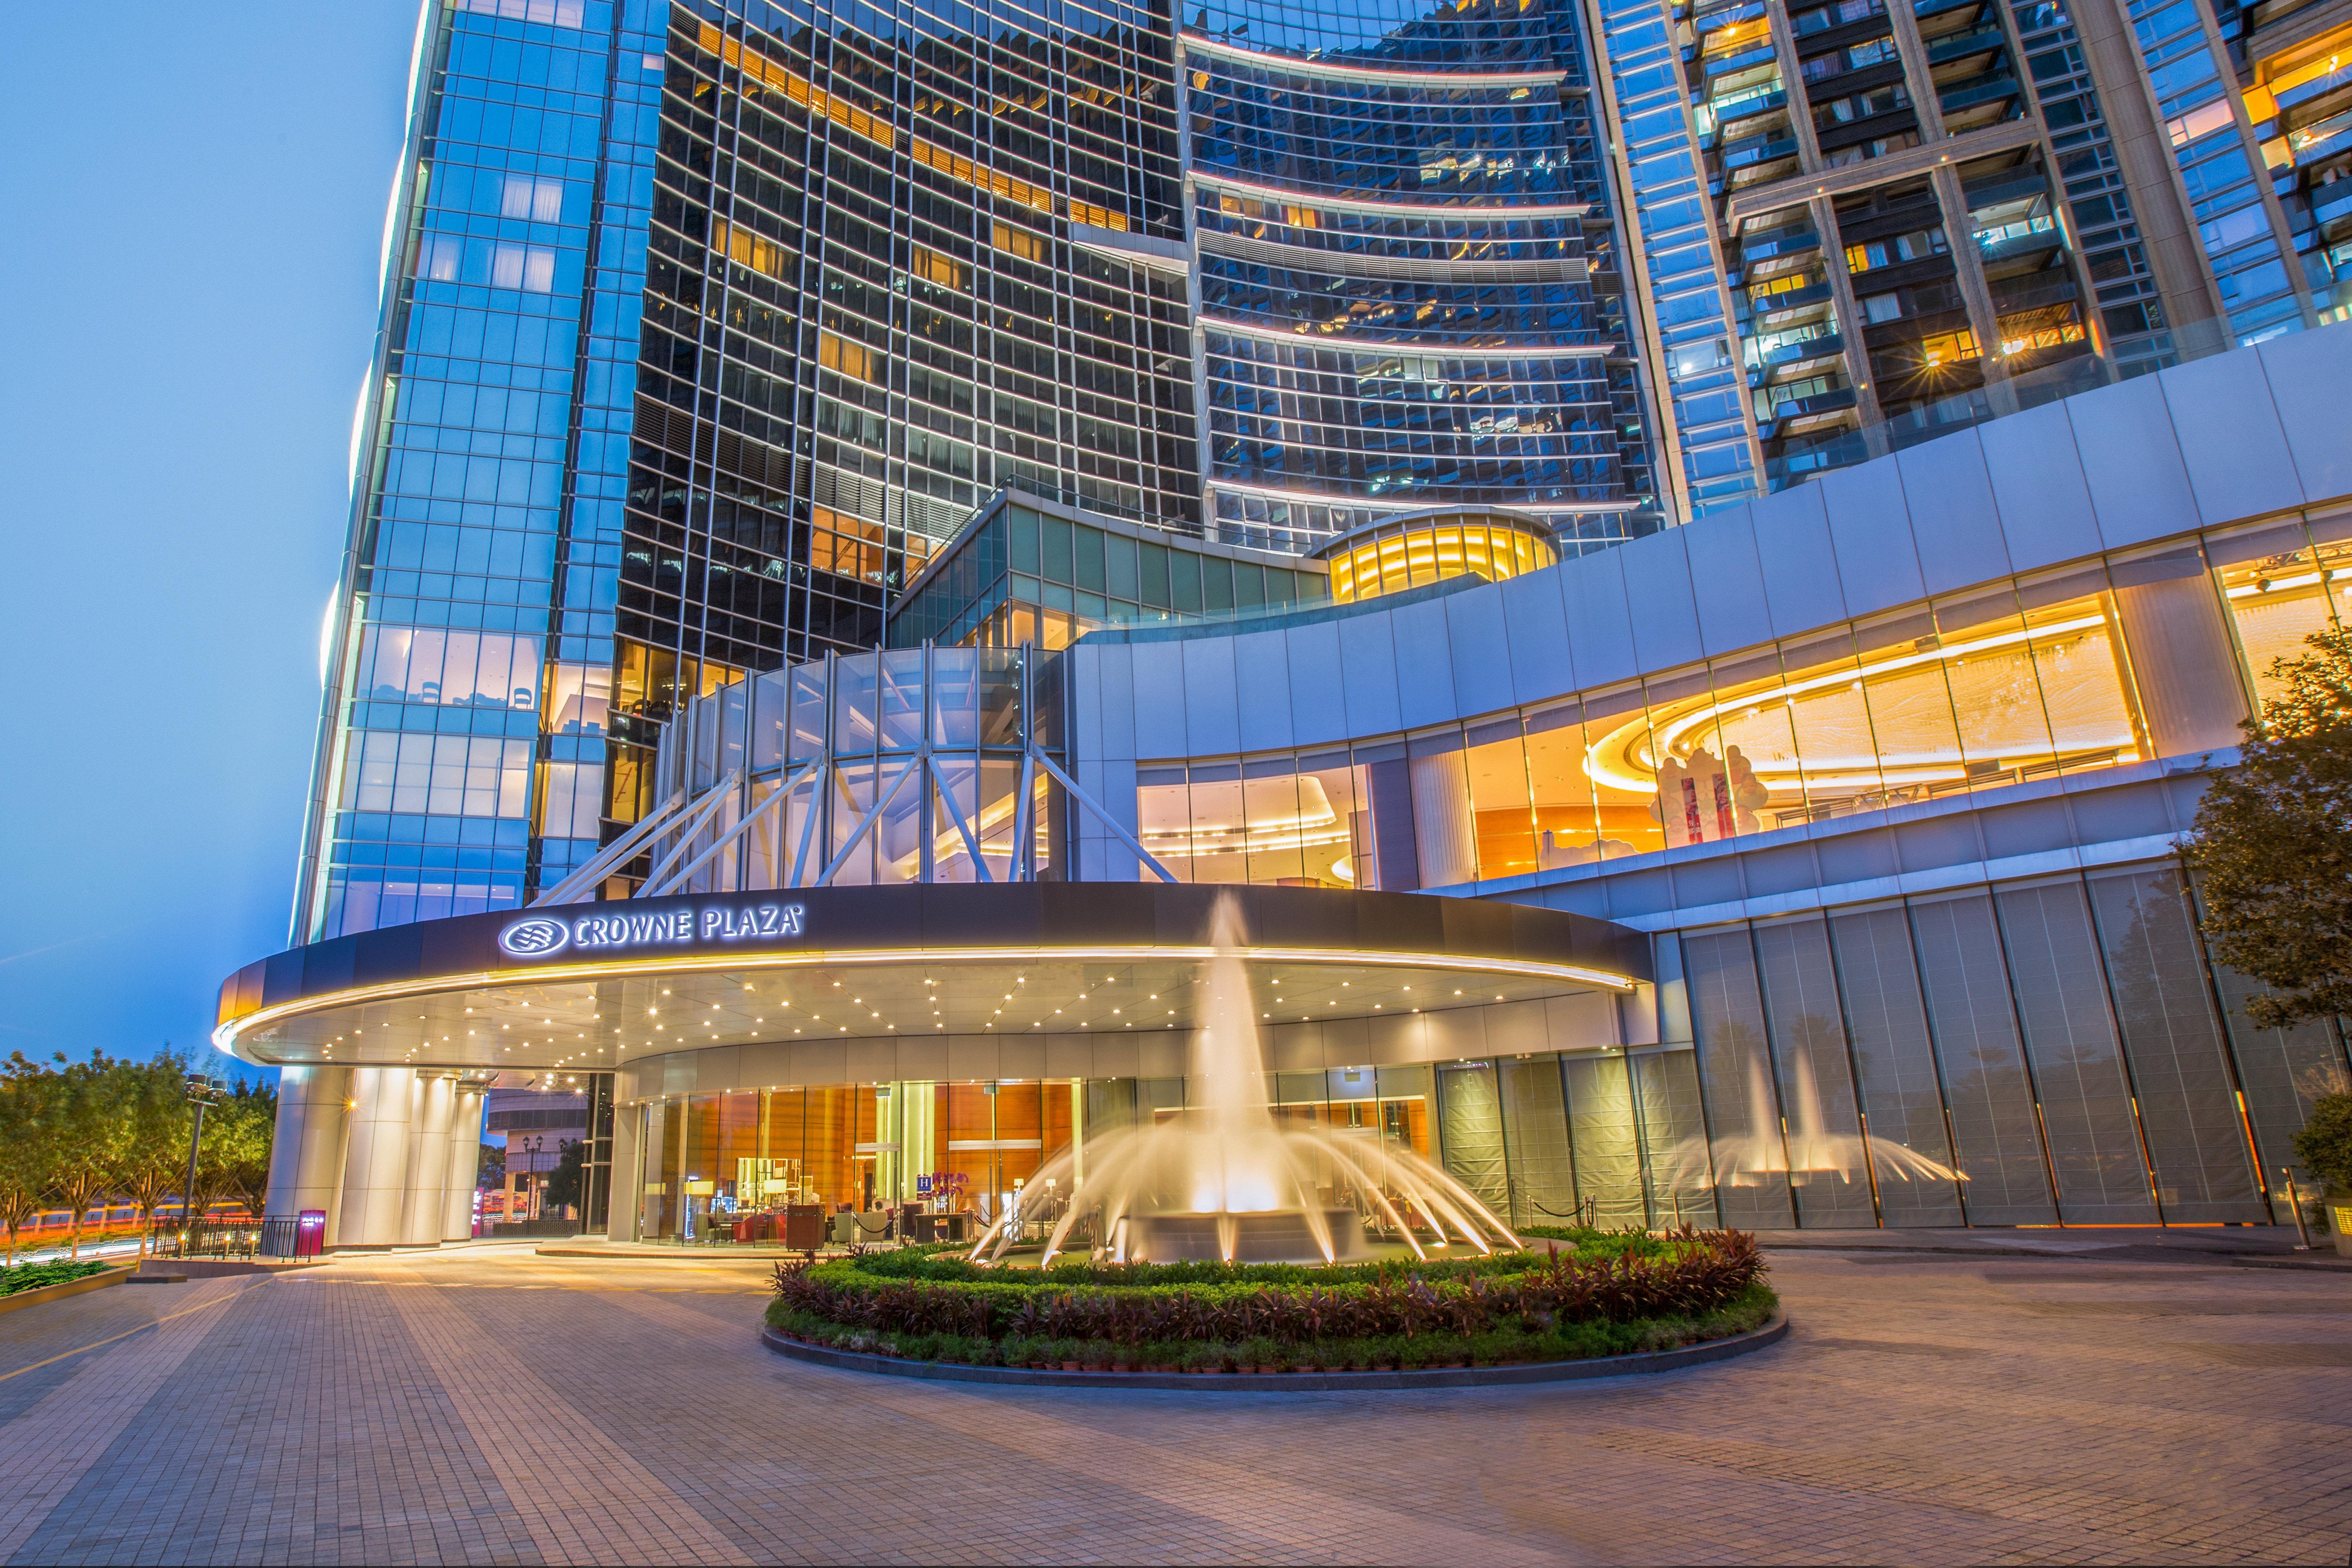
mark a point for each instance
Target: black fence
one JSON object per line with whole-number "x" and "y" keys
{"x": 219, "y": 1238}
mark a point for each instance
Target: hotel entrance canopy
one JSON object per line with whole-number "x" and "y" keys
{"x": 595, "y": 987}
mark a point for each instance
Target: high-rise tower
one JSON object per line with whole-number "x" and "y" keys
{"x": 705, "y": 326}
{"x": 1409, "y": 284}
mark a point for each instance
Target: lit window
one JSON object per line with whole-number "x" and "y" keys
{"x": 528, "y": 197}
{"x": 1019, "y": 242}
{"x": 1947, "y": 348}
{"x": 529, "y": 268}
{"x": 747, "y": 248}
{"x": 851, "y": 359}
{"x": 440, "y": 257}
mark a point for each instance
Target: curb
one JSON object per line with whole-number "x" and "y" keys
{"x": 714, "y": 1256}
{"x": 35, "y": 1296}
{"x": 1637, "y": 1364}
{"x": 2201, "y": 1257}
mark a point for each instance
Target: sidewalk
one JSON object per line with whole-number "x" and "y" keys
{"x": 2251, "y": 1246}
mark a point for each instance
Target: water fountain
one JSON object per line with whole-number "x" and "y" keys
{"x": 1803, "y": 1147}
{"x": 1226, "y": 1180}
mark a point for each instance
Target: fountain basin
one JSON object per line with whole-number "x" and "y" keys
{"x": 1280, "y": 1237}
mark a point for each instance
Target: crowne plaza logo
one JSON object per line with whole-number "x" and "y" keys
{"x": 535, "y": 937}
{"x": 611, "y": 929}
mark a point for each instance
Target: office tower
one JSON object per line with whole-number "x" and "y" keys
{"x": 700, "y": 327}
{"x": 1408, "y": 273}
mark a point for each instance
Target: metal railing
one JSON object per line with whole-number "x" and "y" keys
{"x": 2125, "y": 358}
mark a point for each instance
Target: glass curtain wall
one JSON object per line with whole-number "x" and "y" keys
{"x": 447, "y": 623}
{"x": 2036, "y": 1053}
{"x": 864, "y": 312}
{"x": 1408, "y": 287}
{"x": 2152, "y": 654}
{"x": 1543, "y": 1139}
{"x": 1027, "y": 576}
{"x": 899, "y": 766}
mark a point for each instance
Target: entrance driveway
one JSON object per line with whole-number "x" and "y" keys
{"x": 488, "y": 1404}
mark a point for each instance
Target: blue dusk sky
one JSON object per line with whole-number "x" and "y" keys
{"x": 195, "y": 202}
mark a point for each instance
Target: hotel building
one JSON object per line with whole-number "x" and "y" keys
{"x": 1697, "y": 617}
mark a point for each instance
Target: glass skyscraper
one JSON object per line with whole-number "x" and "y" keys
{"x": 706, "y": 328}
{"x": 1409, "y": 283}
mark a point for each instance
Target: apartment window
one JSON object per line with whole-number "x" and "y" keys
{"x": 528, "y": 197}
{"x": 529, "y": 268}
{"x": 747, "y": 248}
{"x": 1879, "y": 307}
{"x": 1947, "y": 348}
{"x": 440, "y": 257}
{"x": 851, "y": 359}
{"x": 1916, "y": 245}
{"x": 1020, "y": 242}
{"x": 932, "y": 268}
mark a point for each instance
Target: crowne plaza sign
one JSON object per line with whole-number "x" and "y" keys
{"x": 607, "y": 930}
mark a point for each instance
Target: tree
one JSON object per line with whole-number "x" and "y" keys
{"x": 238, "y": 1134}
{"x": 80, "y": 1126}
{"x": 491, "y": 1171}
{"x": 563, "y": 1182}
{"x": 2325, "y": 1143}
{"x": 151, "y": 1121}
{"x": 2272, "y": 848}
{"x": 25, "y": 1153}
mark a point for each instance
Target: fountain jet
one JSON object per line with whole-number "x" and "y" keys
{"x": 1226, "y": 1180}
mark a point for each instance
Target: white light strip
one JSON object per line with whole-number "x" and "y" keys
{"x": 1293, "y": 65}
{"x": 1409, "y": 503}
{"x": 1495, "y": 213}
{"x": 1417, "y": 349}
{"x": 225, "y": 1036}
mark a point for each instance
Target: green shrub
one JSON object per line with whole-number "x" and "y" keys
{"x": 33, "y": 1276}
{"x": 1467, "y": 1320}
{"x": 2326, "y": 1142}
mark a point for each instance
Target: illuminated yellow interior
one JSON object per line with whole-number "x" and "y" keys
{"x": 1413, "y": 555}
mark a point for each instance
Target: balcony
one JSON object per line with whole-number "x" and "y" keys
{"x": 1794, "y": 361}
{"x": 2008, "y": 185}
{"x": 2331, "y": 206}
{"x": 1976, "y": 94}
{"x": 1798, "y": 409}
{"x": 1789, "y": 306}
{"x": 2031, "y": 296}
{"x": 1943, "y": 51}
{"x": 1740, "y": 111}
{"x": 2317, "y": 143}
{"x": 1794, "y": 240}
{"x": 1853, "y": 132}
{"x": 1750, "y": 151}
{"x": 2015, "y": 241}
{"x": 1737, "y": 61}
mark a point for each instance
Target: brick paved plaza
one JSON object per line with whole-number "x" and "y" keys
{"x": 493, "y": 1406}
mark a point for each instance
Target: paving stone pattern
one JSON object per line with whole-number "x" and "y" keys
{"x": 488, "y": 1404}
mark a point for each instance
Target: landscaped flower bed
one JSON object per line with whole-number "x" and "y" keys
{"x": 1572, "y": 1294}
{"x": 33, "y": 1276}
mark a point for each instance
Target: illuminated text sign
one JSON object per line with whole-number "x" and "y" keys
{"x": 614, "y": 930}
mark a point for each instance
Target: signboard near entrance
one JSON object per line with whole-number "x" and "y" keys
{"x": 609, "y": 933}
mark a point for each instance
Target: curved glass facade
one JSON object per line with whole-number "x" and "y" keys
{"x": 1407, "y": 281}
{"x": 2153, "y": 654}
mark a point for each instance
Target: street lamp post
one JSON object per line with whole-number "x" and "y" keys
{"x": 202, "y": 1091}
